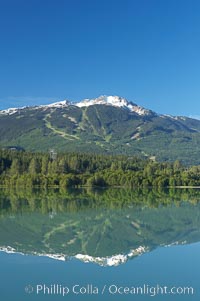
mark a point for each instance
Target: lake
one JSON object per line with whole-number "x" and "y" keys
{"x": 111, "y": 244}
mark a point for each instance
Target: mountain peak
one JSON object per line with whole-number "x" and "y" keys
{"x": 59, "y": 104}
{"x": 104, "y": 99}
{"x": 115, "y": 101}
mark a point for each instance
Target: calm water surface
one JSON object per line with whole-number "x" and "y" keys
{"x": 100, "y": 245}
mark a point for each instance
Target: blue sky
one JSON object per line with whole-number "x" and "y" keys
{"x": 145, "y": 50}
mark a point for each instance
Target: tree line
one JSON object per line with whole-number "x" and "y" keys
{"x": 19, "y": 168}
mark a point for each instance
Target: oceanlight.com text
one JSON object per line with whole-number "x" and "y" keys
{"x": 150, "y": 290}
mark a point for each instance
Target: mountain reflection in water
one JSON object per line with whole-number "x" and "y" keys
{"x": 107, "y": 227}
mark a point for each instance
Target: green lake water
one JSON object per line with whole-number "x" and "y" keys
{"x": 109, "y": 244}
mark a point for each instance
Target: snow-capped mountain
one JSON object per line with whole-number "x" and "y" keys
{"x": 107, "y": 124}
{"x": 115, "y": 101}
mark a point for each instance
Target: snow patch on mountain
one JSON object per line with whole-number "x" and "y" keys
{"x": 115, "y": 101}
{"x": 113, "y": 260}
{"x": 10, "y": 250}
{"x": 59, "y": 104}
{"x": 11, "y": 111}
